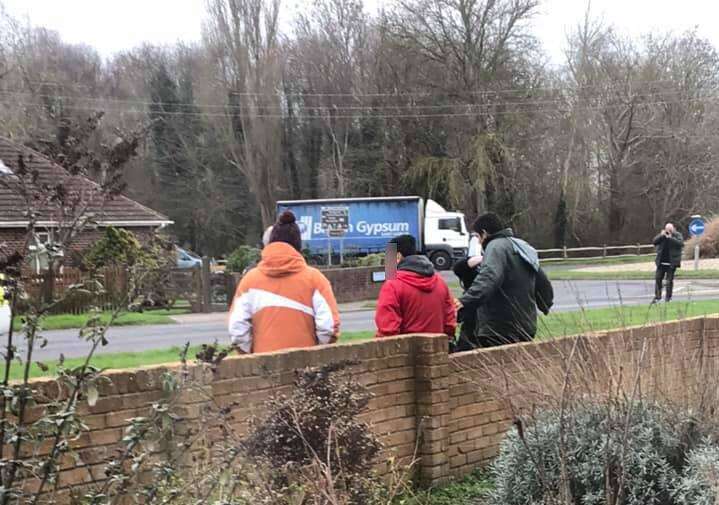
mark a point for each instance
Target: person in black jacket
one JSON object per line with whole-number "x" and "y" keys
{"x": 669, "y": 245}
{"x": 508, "y": 288}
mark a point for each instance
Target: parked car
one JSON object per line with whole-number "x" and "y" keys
{"x": 187, "y": 259}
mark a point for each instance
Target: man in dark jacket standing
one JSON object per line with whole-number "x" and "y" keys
{"x": 417, "y": 300}
{"x": 509, "y": 287}
{"x": 669, "y": 244}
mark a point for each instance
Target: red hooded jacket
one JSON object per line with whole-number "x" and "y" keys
{"x": 416, "y": 301}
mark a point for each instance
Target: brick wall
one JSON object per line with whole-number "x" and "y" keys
{"x": 458, "y": 403}
{"x": 353, "y": 284}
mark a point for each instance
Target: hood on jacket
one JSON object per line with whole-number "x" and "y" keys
{"x": 521, "y": 248}
{"x": 526, "y": 252}
{"x": 417, "y": 271}
{"x": 280, "y": 259}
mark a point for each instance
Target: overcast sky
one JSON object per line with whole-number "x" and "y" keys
{"x": 114, "y": 25}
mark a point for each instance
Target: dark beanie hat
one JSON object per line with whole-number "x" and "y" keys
{"x": 286, "y": 230}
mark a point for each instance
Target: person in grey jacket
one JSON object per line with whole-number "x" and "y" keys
{"x": 509, "y": 287}
{"x": 669, "y": 245}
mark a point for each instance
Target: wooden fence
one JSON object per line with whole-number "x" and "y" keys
{"x": 202, "y": 289}
{"x": 596, "y": 253}
{"x": 67, "y": 288}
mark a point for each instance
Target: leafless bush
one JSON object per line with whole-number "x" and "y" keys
{"x": 708, "y": 242}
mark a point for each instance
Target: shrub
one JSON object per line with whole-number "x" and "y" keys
{"x": 371, "y": 260}
{"x": 117, "y": 247}
{"x": 640, "y": 460}
{"x": 243, "y": 257}
{"x": 699, "y": 483}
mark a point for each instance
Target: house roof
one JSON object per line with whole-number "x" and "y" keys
{"x": 118, "y": 211}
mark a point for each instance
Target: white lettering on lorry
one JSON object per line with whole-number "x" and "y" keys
{"x": 367, "y": 229}
{"x": 371, "y": 229}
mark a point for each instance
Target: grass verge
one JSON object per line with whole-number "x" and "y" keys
{"x": 68, "y": 321}
{"x": 558, "y": 324}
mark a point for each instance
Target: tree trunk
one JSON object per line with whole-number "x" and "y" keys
{"x": 616, "y": 211}
{"x": 314, "y": 156}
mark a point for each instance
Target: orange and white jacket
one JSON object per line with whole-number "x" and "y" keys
{"x": 283, "y": 303}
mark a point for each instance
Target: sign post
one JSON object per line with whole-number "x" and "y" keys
{"x": 336, "y": 221}
{"x": 696, "y": 229}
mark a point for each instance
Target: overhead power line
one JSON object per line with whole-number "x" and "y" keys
{"x": 560, "y": 107}
{"x": 403, "y": 94}
{"x": 267, "y": 109}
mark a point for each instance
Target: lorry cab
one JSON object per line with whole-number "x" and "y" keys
{"x": 445, "y": 235}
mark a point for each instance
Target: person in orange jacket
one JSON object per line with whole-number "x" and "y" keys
{"x": 283, "y": 303}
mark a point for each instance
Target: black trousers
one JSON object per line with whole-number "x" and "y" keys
{"x": 668, "y": 272}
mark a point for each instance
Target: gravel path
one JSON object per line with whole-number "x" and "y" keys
{"x": 706, "y": 264}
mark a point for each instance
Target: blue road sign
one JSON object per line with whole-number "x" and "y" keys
{"x": 696, "y": 227}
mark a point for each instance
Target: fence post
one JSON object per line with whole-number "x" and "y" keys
{"x": 639, "y": 249}
{"x": 205, "y": 282}
{"x": 604, "y": 251}
{"x": 566, "y": 256}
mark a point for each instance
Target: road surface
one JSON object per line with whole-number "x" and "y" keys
{"x": 207, "y": 328}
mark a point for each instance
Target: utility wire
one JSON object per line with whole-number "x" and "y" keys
{"x": 396, "y": 94}
{"x": 331, "y": 106}
{"x": 407, "y": 115}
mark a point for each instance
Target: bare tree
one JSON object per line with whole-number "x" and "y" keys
{"x": 244, "y": 41}
{"x": 333, "y": 39}
{"x": 468, "y": 50}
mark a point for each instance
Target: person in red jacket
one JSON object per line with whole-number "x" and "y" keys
{"x": 417, "y": 300}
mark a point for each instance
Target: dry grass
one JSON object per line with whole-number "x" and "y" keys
{"x": 657, "y": 362}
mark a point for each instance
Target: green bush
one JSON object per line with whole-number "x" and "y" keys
{"x": 600, "y": 447}
{"x": 243, "y": 257}
{"x": 118, "y": 247}
{"x": 371, "y": 260}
